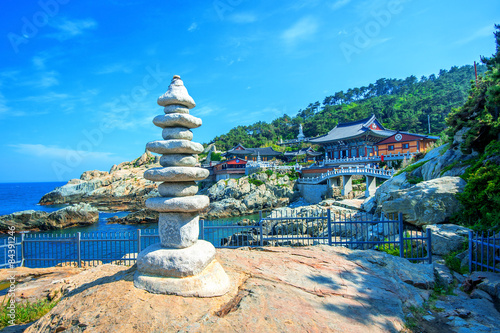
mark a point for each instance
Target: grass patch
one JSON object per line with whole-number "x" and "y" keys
{"x": 414, "y": 180}
{"x": 25, "y": 312}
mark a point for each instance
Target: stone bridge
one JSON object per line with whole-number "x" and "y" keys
{"x": 371, "y": 175}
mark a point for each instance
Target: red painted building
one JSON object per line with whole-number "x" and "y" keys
{"x": 403, "y": 142}
{"x": 234, "y": 168}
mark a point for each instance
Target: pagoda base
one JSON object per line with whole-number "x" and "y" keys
{"x": 212, "y": 281}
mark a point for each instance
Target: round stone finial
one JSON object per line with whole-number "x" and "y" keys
{"x": 176, "y": 94}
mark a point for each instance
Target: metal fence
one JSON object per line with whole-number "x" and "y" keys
{"x": 386, "y": 233}
{"x": 359, "y": 231}
{"x": 484, "y": 251}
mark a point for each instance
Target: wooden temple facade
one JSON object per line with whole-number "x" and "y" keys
{"x": 368, "y": 137}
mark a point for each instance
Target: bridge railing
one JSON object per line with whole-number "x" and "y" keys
{"x": 369, "y": 159}
{"x": 366, "y": 171}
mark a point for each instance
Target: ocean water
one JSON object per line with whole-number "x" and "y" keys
{"x": 15, "y": 197}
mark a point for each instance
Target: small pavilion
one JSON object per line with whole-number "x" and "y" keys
{"x": 252, "y": 154}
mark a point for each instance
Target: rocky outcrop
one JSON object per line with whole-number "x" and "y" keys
{"x": 448, "y": 238}
{"x": 122, "y": 188}
{"x": 429, "y": 202}
{"x": 79, "y": 214}
{"x": 277, "y": 290}
{"x": 250, "y": 194}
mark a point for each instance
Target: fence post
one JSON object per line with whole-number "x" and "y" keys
{"x": 78, "y": 238}
{"x": 471, "y": 235}
{"x": 261, "y": 225}
{"x": 429, "y": 245}
{"x": 22, "y": 250}
{"x": 401, "y": 236}
{"x": 329, "y": 215}
{"x": 139, "y": 245}
{"x": 202, "y": 229}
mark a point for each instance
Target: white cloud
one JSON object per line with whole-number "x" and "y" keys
{"x": 339, "y": 4}
{"x": 486, "y": 31}
{"x": 301, "y": 30}
{"x": 242, "y": 18}
{"x": 54, "y": 152}
{"x": 193, "y": 27}
{"x": 203, "y": 111}
{"x": 71, "y": 28}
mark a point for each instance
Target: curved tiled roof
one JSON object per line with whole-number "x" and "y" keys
{"x": 354, "y": 129}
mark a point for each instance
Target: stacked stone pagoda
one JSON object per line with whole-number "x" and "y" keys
{"x": 180, "y": 264}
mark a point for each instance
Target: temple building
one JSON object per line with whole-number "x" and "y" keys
{"x": 308, "y": 154}
{"x": 367, "y": 137}
{"x": 404, "y": 142}
{"x": 252, "y": 154}
{"x": 353, "y": 139}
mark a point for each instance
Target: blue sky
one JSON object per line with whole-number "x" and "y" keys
{"x": 79, "y": 79}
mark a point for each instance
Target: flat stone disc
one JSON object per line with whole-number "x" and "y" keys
{"x": 177, "y": 119}
{"x": 174, "y": 147}
{"x": 178, "y": 160}
{"x": 178, "y": 189}
{"x": 194, "y": 203}
{"x": 157, "y": 260}
{"x": 174, "y": 108}
{"x": 176, "y": 174}
{"x": 180, "y": 133}
{"x": 212, "y": 282}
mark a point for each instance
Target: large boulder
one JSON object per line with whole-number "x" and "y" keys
{"x": 383, "y": 192}
{"x": 429, "y": 202}
{"x": 80, "y": 214}
{"x": 448, "y": 238}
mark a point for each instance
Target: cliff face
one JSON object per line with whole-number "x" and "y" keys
{"x": 122, "y": 188}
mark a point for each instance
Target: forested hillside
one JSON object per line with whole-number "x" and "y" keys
{"x": 398, "y": 104}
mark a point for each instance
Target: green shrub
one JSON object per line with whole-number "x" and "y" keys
{"x": 254, "y": 181}
{"x": 415, "y": 180}
{"x": 269, "y": 172}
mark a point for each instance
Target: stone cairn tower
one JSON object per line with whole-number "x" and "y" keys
{"x": 180, "y": 264}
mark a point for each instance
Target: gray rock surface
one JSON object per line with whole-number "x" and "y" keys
{"x": 178, "y": 230}
{"x": 382, "y": 194}
{"x": 178, "y": 189}
{"x": 175, "y": 108}
{"x": 448, "y": 238}
{"x": 177, "y": 120}
{"x": 178, "y": 160}
{"x": 429, "y": 202}
{"x": 161, "y": 261}
{"x": 176, "y": 174}
{"x": 176, "y": 94}
{"x": 174, "y": 147}
{"x": 78, "y": 214}
{"x": 177, "y": 133}
{"x": 178, "y": 204}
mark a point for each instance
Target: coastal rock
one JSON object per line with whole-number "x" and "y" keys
{"x": 180, "y": 263}
{"x": 178, "y": 160}
{"x": 448, "y": 238}
{"x": 177, "y": 133}
{"x": 174, "y": 147}
{"x": 177, "y": 120}
{"x": 429, "y": 202}
{"x": 124, "y": 188}
{"x": 313, "y": 289}
{"x": 79, "y": 214}
{"x": 176, "y": 174}
{"x": 143, "y": 216}
{"x": 194, "y": 203}
{"x": 179, "y": 189}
